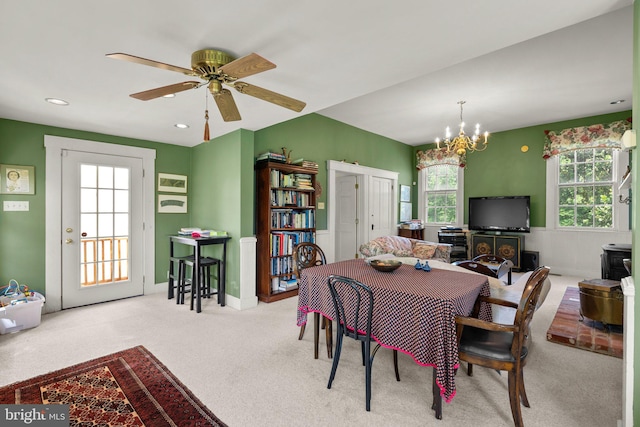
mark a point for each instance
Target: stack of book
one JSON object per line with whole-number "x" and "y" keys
{"x": 288, "y": 284}
{"x": 306, "y": 163}
{"x": 272, "y": 157}
{"x": 303, "y": 181}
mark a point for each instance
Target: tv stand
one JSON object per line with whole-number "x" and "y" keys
{"x": 506, "y": 246}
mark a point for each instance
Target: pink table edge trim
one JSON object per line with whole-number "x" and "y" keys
{"x": 307, "y": 310}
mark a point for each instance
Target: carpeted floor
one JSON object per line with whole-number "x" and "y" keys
{"x": 127, "y": 388}
{"x": 569, "y": 329}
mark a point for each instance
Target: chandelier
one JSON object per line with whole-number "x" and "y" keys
{"x": 463, "y": 143}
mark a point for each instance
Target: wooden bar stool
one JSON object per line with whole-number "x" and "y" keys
{"x": 184, "y": 283}
{"x": 174, "y": 276}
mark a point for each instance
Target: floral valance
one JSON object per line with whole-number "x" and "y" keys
{"x": 438, "y": 156}
{"x": 594, "y": 136}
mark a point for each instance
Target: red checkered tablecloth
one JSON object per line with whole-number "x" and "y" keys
{"x": 414, "y": 310}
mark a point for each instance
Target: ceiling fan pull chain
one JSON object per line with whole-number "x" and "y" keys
{"x": 206, "y": 117}
{"x": 206, "y": 126}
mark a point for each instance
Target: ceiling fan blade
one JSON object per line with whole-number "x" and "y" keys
{"x": 164, "y": 90}
{"x": 247, "y": 66}
{"x": 227, "y": 105}
{"x": 151, "y": 63}
{"x": 267, "y": 95}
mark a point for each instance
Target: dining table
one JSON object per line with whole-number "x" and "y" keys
{"x": 414, "y": 311}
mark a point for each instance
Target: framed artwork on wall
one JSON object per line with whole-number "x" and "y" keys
{"x": 169, "y": 203}
{"x": 405, "y": 211}
{"x": 16, "y": 179}
{"x": 170, "y": 183}
{"x": 405, "y": 193}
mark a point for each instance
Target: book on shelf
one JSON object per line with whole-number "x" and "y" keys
{"x": 288, "y": 284}
{"x": 274, "y": 157}
{"x": 305, "y": 163}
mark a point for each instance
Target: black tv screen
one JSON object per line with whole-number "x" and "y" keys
{"x": 509, "y": 213}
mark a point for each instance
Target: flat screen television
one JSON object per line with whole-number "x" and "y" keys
{"x": 508, "y": 213}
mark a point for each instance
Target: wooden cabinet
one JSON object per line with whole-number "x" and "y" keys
{"x": 411, "y": 233}
{"x": 507, "y": 246}
{"x": 285, "y": 216}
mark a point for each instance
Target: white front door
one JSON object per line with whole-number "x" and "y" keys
{"x": 102, "y": 228}
{"x": 347, "y": 218}
{"x": 381, "y": 204}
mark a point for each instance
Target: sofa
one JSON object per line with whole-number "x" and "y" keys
{"x": 399, "y": 246}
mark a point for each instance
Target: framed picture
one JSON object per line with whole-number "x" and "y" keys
{"x": 405, "y": 193}
{"x": 15, "y": 179}
{"x": 170, "y": 183}
{"x": 405, "y": 211}
{"x": 168, "y": 203}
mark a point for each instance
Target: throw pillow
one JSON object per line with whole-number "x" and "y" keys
{"x": 424, "y": 250}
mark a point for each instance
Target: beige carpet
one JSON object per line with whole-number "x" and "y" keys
{"x": 250, "y": 369}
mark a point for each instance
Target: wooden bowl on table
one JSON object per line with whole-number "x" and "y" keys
{"x": 385, "y": 265}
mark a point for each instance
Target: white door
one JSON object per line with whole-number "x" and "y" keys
{"x": 102, "y": 228}
{"x": 346, "y": 218}
{"x": 381, "y": 203}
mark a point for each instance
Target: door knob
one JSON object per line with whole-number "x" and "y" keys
{"x": 68, "y": 241}
{"x": 69, "y": 230}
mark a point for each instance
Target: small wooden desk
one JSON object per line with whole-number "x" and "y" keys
{"x": 198, "y": 243}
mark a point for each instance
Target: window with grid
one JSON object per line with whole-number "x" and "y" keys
{"x": 586, "y": 188}
{"x": 440, "y": 185}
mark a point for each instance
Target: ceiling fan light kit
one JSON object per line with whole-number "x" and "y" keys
{"x": 216, "y": 68}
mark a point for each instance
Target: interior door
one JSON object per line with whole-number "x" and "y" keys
{"x": 347, "y": 217}
{"x": 381, "y": 221}
{"x": 102, "y": 228}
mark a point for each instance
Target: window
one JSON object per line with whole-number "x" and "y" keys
{"x": 441, "y": 194}
{"x": 585, "y": 189}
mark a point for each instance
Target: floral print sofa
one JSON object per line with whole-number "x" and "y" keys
{"x": 406, "y": 247}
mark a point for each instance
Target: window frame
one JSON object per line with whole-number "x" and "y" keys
{"x": 620, "y": 210}
{"x": 459, "y": 197}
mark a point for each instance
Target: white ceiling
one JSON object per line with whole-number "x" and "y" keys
{"x": 396, "y": 68}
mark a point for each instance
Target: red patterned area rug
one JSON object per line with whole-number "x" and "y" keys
{"x": 128, "y": 388}
{"x": 568, "y": 328}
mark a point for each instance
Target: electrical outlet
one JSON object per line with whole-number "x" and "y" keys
{"x": 14, "y": 205}
{"x": 320, "y": 205}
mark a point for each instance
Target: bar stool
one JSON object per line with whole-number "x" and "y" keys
{"x": 185, "y": 284}
{"x": 174, "y": 275}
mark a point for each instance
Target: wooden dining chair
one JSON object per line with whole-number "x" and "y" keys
{"x": 307, "y": 254}
{"x": 353, "y": 305}
{"x": 503, "y": 347}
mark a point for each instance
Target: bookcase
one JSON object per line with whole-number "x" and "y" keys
{"x": 507, "y": 246}
{"x": 285, "y": 216}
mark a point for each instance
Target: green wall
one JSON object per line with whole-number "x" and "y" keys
{"x": 503, "y": 169}
{"x": 318, "y": 138}
{"x": 222, "y": 177}
{"x": 22, "y": 247}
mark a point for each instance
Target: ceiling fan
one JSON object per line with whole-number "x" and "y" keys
{"x": 216, "y": 68}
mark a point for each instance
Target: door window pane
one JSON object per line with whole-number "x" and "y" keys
{"x": 105, "y": 200}
{"x": 104, "y": 221}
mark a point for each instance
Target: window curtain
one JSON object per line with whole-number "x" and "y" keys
{"x": 594, "y": 136}
{"x": 438, "y": 156}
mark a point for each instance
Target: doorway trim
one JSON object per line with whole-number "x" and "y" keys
{"x": 54, "y": 148}
{"x": 336, "y": 168}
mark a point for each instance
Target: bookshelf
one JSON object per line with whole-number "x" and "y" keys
{"x": 285, "y": 216}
